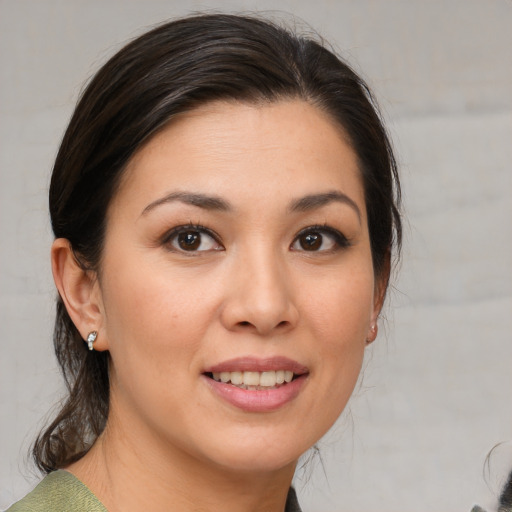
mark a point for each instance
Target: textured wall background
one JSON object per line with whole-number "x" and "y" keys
{"x": 437, "y": 389}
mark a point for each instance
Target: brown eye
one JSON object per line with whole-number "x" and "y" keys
{"x": 311, "y": 241}
{"x": 191, "y": 239}
{"x": 319, "y": 239}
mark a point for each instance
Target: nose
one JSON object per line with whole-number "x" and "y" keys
{"x": 260, "y": 299}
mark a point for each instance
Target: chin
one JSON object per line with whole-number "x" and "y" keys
{"x": 255, "y": 462}
{"x": 265, "y": 454}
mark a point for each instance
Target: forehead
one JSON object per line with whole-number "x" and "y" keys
{"x": 245, "y": 150}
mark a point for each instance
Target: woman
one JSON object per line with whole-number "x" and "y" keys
{"x": 225, "y": 204}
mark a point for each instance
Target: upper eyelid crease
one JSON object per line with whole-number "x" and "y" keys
{"x": 190, "y": 227}
{"x": 340, "y": 238}
{"x": 199, "y": 227}
{"x": 172, "y": 233}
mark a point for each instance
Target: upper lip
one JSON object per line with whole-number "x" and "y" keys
{"x": 257, "y": 364}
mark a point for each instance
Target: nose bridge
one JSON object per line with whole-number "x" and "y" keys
{"x": 266, "y": 277}
{"x": 262, "y": 297}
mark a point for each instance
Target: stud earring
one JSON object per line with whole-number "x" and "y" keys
{"x": 91, "y": 338}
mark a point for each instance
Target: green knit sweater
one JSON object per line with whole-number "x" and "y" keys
{"x": 60, "y": 491}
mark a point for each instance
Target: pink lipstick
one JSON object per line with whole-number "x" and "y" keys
{"x": 255, "y": 384}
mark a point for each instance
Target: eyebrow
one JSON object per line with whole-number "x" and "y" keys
{"x": 195, "y": 199}
{"x": 302, "y": 204}
{"x": 314, "y": 201}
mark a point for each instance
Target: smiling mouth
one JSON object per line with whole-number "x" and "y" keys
{"x": 255, "y": 381}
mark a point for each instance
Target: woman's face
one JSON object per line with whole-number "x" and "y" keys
{"x": 237, "y": 256}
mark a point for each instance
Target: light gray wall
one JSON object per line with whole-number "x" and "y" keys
{"x": 436, "y": 394}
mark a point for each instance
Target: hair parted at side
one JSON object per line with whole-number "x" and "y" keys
{"x": 167, "y": 71}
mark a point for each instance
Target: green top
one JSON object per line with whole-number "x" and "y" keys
{"x": 61, "y": 491}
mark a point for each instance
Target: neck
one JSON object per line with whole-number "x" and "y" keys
{"x": 130, "y": 472}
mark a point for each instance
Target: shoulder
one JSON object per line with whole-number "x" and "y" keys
{"x": 59, "y": 491}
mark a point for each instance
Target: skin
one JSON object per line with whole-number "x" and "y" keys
{"x": 166, "y": 314}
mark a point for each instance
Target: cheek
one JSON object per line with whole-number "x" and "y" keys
{"x": 154, "y": 331}
{"x": 342, "y": 306}
{"x": 340, "y": 318}
{"x": 153, "y": 321}
{"x": 148, "y": 293}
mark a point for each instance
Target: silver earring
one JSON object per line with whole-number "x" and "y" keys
{"x": 91, "y": 338}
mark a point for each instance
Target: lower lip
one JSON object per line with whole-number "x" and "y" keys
{"x": 257, "y": 400}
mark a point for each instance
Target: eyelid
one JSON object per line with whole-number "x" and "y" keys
{"x": 169, "y": 235}
{"x": 339, "y": 238}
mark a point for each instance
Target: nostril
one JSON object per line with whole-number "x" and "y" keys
{"x": 281, "y": 324}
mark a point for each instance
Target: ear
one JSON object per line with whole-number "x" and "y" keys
{"x": 381, "y": 286}
{"x": 79, "y": 290}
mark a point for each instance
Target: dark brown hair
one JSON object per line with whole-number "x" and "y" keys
{"x": 170, "y": 70}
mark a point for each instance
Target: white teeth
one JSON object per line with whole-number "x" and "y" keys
{"x": 237, "y": 378}
{"x": 251, "y": 378}
{"x": 267, "y": 379}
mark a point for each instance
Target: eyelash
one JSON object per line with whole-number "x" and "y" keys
{"x": 339, "y": 239}
{"x": 174, "y": 232}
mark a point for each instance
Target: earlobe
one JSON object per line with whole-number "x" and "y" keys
{"x": 372, "y": 333}
{"x": 381, "y": 286}
{"x": 78, "y": 289}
